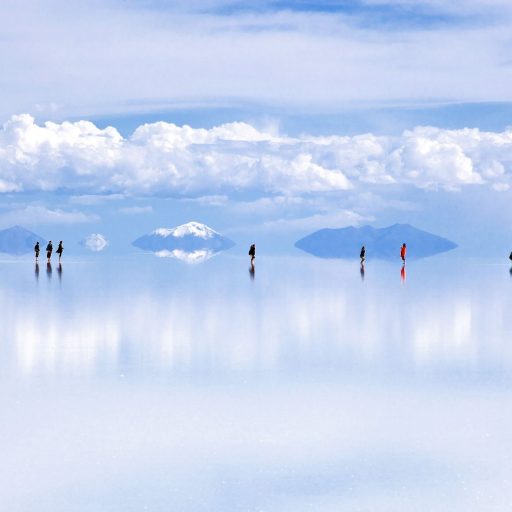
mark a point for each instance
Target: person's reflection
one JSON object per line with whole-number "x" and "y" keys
{"x": 49, "y": 270}
{"x": 59, "y": 271}
{"x": 510, "y": 271}
{"x": 252, "y": 271}
{"x": 403, "y": 275}
{"x": 361, "y": 270}
{"x": 37, "y": 271}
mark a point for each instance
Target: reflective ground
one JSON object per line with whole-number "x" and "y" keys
{"x": 307, "y": 385}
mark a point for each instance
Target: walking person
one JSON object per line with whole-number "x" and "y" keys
{"x": 362, "y": 255}
{"x": 252, "y": 253}
{"x": 49, "y": 250}
{"x": 37, "y": 250}
{"x": 403, "y": 252}
{"x": 60, "y": 250}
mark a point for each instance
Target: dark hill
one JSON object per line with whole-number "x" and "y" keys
{"x": 18, "y": 240}
{"x": 383, "y": 243}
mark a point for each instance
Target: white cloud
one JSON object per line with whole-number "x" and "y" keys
{"x": 317, "y": 221}
{"x": 94, "y": 199}
{"x": 95, "y": 242}
{"x": 501, "y": 187}
{"x": 37, "y": 214}
{"x": 113, "y": 55}
{"x": 209, "y": 200}
{"x": 136, "y": 210}
{"x": 163, "y": 159}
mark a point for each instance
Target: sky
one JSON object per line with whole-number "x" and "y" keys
{"x": 264, "y": 120}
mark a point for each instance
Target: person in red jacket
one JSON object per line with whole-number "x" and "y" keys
{"x": 403, "y": 252}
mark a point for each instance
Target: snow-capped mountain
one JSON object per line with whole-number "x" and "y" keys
{"x": 18, "y": 240}
{"x": 190, "y": 237}
{"x": 190, "y": 229}
{"x": 381, "y": 243}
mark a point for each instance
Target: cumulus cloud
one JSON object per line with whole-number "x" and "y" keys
{"x": 37, "y": 214}
{"x": 162, "y": 159}
{"x": 95, "y": 242}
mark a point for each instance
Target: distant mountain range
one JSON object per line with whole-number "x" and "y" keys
{"x": 18, "y": 240}
{"x": 195, "y": 242}
{"x": 192, "y": 238}
{"x": 382, "y": 243}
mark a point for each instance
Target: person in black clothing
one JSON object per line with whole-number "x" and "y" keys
{"x": 362, "y": 254}
{"x": 510, "y": 257}
{"x": 36, "y": 250}
{"x": 60, "y": 250}
{"x": 252, "y": 253}
{"x": 49, "y": 250}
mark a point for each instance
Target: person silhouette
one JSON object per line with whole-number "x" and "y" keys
{"x": 252, "y": 253}
{"x": 403, "y": 252}
{"x": 362, "y": 254}
{"x": 49, "y": 250}
{"x": 37, "y": 250}
{"x": 60, "y": 250}
{"x": 510, "y": 256}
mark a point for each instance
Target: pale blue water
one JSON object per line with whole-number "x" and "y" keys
{"x": 148, "y": 384}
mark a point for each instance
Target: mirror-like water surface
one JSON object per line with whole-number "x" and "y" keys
{"x": 148, "y": 384}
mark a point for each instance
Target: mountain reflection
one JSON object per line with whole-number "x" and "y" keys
{"x": 191, "y": 257}
{"x": 296, "y": 325}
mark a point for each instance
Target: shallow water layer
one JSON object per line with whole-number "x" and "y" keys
{"x": 148, "y": 384}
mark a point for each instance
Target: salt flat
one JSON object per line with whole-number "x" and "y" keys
{"x": 148, "y": 384}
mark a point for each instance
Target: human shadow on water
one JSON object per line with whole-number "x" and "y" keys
{"x": 510, "y": 271}
{"x": 49, "y": 270}
{"x": 361, "y": 270}
{"x": 36, "y": 272}
{"x": 59, "y": 271}
{"x": 252, "y": 271}
{"x": 403, "y": 274}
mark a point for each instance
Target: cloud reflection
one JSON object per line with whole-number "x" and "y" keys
{"x": 295, "y": 326}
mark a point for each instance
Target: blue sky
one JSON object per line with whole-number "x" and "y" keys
{"x": 303, "y": 115}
